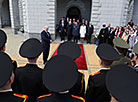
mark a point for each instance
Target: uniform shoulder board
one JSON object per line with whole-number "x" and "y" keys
{"x": 79, "y": 98}
{"x": 21, "y": 96}
{"x": 95, "y": 73}
{"x": 13, "y": 61}
{"x": 44, "y": 96}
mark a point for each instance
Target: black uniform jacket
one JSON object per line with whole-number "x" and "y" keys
{"x": 28, "y": 81}
{"x": 11, "y": 97}
{"x": 97, "y": 91}
{"x": 55, "y": 97}
{"x": 79, "y": 88}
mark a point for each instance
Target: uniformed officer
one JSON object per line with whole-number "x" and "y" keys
{"x": 28, "y": 79}
{"x": 6, "y": 79}
{"x": 121, "y": 47}
{"x": 96, "y": 91}
{"x": 122, "y": 83}
{"x": 3, "y": 41}
{"x": 60, "y": 75}
{"x": 72, "y": 50}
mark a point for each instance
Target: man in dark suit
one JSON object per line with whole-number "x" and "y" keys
{"x": 111, "y": 36}
{"x": 97, "y": 91}
{"x": 75, "y": 32}
{"x": 69, "y": 30}
{"x": 6, "y": 79}
{"x": 62, "y": 30}
{"x": 28, "y": 79}
{"x": 90, "y": 32}
{"x": 46, "y": 40}
{"x": 59, "y": 75}
{"x": 108, "y": 30}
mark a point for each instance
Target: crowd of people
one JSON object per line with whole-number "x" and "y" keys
{"x": 75, "y": 29}
{"x": 127, "y": 33}
{"x": 60, "y": 80}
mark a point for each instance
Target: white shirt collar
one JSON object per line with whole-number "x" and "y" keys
{"x": 6, "y": 90}
{"x": 136, "y": 66}
{"x": 105, "y": 68}
{"x": 64, "y": 92}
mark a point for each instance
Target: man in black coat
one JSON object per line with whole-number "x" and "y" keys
{"x": 97, "y": 91}
{"x": 69, "y": 30}
{"x": 6, "y": 79}
{"x": 28, "y": 79}
{"x": 102, "y": 35}
{"x": 111, "y": 36}
{"x": 108, "y": 30}
{"x": 62, "y": 30}
{"x": 46, "y": 40}
{"x": 90, "y": 32}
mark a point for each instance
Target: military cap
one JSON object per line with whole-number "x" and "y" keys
{"x": 60, "y": 73}
{"x": 3, "y": 38}
{"x": 70, "y": 49}
{"x": 31, "y": 48}
{"x": 6, "y": 68}
{"x": 122, "y": 83}
{"x": 107, "y": 53}
{"x": 119, "y": 42}
{"x": 136, "y": 48}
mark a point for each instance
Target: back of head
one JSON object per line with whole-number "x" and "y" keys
{"x": 107, "y": 54}
{"x": 60, "y": 73}
{"x": 3, "y": 39}
{"x": 122, "y": 82}
{"x": 5, "y": 69}
{"x": 31, "y": 48}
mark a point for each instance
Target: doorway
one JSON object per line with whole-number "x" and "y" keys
{"x": 6, "y": 21}
{"x": 74, "y": 12}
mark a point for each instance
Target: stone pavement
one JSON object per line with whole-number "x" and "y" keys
{"x": 14, "y": 42}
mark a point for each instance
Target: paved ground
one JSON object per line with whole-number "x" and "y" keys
{"x": 14, "y": 42}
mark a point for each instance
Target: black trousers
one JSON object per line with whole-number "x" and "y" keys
{"x": 45, "y": 53}
{"x": 62, "y": 35}
{"x": 69, "y": 37}
{"x": 88, "y": 38}
{"x": 76, "y": 37}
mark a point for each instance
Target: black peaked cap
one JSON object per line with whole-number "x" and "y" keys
{"x": 70, "y": 49}
{"x": 122, "y": 83}
{"x": 31, "y": 48}
{"x": 3, "y": 38}
{"x": 6, "y": 68}
{"x": 107, "y": 52}
{"x": 60, "y": 73}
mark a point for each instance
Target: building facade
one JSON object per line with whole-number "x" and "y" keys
{"x": 33, "y": 15}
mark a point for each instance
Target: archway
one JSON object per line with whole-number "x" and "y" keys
{"x": 74, "y": 12}
{"x": 6, "y": 21}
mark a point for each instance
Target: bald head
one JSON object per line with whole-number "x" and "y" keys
{"x": 46, "y": 28}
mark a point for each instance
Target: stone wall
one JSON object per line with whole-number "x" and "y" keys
{"x": 38, "y": 14}
{"x": 110, "y": 11}
{"x": 135, "y": 16}
{"x": 5, "y": 13}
